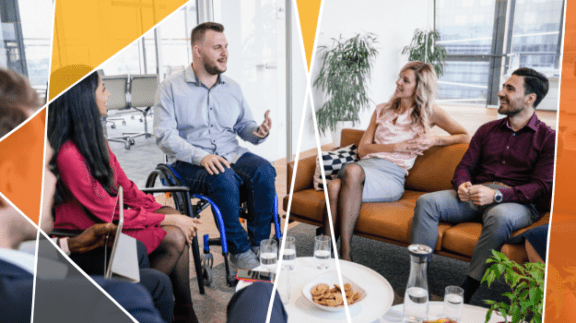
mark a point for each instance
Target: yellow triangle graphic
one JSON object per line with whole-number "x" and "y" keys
{"x": 88, "y": 32}
{"x": 21, "y": 164}
{"x": 308, "y": 11}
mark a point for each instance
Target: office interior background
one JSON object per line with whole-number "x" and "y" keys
{"x": 486, "y": 40}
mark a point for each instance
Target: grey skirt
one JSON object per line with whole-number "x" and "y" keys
{"x": 384, "y": 180}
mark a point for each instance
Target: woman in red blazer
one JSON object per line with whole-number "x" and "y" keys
{"x": 88, "y": 179}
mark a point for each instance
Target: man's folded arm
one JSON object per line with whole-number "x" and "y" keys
{"x": 166, "y": 132}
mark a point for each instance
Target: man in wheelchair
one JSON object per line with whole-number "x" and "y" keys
{"x": 198, "y": 115}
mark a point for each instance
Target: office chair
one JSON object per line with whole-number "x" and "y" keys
{"x": 142, "y": 95}
{"x": 169, "y": 177}
{"x": 117, "y": 85}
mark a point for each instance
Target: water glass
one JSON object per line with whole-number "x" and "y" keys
{"x": 268, "y": 254}
{"x": 289, "y": 258}
{"x": 284, "y": 286}
{"x": 322, "y": 251}
{"x": 453, "y": 303}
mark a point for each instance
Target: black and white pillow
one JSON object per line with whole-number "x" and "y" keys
{"x": 333, "y": 162}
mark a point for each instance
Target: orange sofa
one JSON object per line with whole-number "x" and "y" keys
{"x": 391, "y": 222}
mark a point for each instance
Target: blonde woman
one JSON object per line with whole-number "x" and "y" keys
{"x": 399, "y": 131}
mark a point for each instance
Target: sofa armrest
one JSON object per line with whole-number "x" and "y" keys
{"x": 305, "y": 178}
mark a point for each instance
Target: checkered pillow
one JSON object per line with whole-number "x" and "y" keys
{"x": 333, "y": 161}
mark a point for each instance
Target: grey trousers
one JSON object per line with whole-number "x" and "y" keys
{"x": 499, "y": 221}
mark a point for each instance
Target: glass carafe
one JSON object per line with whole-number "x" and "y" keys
{"x": 416, "y": 298}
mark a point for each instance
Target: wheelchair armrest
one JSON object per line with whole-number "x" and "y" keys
{"x": 65, "y": 233}
{"x": 165, "y": 189}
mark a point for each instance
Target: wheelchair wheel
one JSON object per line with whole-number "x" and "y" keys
{"x": 113, "y": 126}
{"x": 132, "y": 141}
{"x": 207, "y": 263}
{"x": 207, "y": 276}
{"x": 127, "y": 146}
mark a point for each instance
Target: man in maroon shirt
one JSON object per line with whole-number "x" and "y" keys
{"x": 503, "y": 180}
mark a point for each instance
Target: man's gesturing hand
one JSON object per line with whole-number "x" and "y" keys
{"x": 264, "y": 128}
{"x": 481, "y": 195}
{"x": 214, "y": 164}
{"x": 464, "y": 191}
{"x": 92, "y": 238}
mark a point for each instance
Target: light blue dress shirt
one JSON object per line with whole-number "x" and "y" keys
{"x": 192, "y": 121}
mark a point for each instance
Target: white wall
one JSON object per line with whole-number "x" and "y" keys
{"x": 255, "y": 33}
{"x": 393, "y": 22}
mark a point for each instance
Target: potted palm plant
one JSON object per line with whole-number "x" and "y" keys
{"x": 344, "y": 74}
{"x": 424, "y": 47}
{"x": 526, "y": 300}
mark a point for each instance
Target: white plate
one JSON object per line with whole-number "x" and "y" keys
{"x": 330, "y": 278}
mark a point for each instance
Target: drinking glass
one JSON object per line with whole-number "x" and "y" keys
{"x": 322, "y": 251}
{"x": 284, "y": 286}
{"x": 453, "y": 303}
{"x": 289, "y": 258}
{"x": 268, "y": 254}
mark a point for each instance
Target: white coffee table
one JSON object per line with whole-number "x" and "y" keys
{"x": 380, "y": 294}
{"x": 470, "y": 314}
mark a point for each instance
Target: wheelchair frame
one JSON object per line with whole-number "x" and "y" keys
{"x": 170, "y": 178}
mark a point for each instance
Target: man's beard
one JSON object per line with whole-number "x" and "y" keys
{"x": 213, "y": 69}
{"x": 510, "y": 111}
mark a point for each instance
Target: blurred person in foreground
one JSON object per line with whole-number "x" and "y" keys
{"x": 18, "y": 100}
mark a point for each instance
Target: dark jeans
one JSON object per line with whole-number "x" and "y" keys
{"x": 156, "y": 282}
{"x": 254, "y": 177}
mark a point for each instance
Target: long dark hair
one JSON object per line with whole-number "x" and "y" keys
{"x": 74, "y": 116}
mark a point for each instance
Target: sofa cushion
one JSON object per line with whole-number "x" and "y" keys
{"x": 462, "y": 237}
{"x": 393, "y": 220}
{"x": 515, "y": 252}
{"x": 434, "y": 170}
{"x": 308, "y": 203}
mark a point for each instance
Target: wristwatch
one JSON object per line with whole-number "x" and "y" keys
{"x": 498, "y": 197}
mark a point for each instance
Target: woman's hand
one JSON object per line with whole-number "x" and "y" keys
{"x": 188, "y": 225}
{"x": 424, "y": 141}
{"x": 408, "y": 148}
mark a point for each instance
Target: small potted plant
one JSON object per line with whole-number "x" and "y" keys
{"x": 343, "y": 76}
{"x": 526, "y": 299}
{"x": 425, "y": 48}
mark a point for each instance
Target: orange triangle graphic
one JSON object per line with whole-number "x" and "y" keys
{"x": 309, "y": 11}
{"x": 21, "y": 163}
{"x": 88, "y": 32}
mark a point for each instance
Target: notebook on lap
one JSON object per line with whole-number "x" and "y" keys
{"x": 123, "y": 262}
